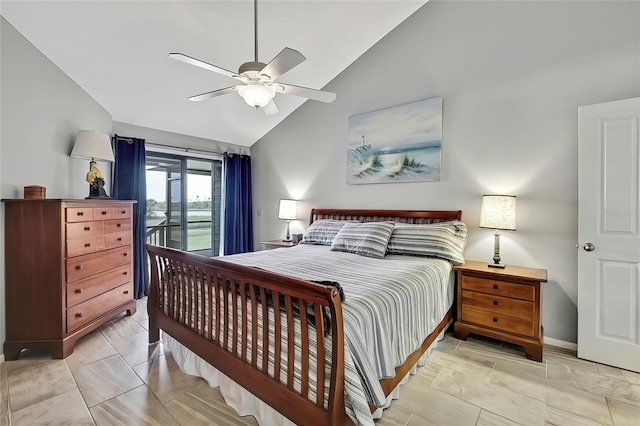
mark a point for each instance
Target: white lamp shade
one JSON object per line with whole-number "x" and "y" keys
{"x": 92, "y": 145}
{"x": 257, "y": 95}
{"x": 288, "y": 209}
{"x": 498, "y": 212}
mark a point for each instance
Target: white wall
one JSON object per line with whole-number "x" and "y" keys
{"x": 42, "y": 110}
{"x": 512, "y": 75}
{"x": 175, "y": 139}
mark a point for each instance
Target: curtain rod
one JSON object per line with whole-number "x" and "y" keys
{"x": 184, "y": 149}
{"x": 159, "y": 145}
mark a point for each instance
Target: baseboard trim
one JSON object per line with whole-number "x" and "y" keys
{"x": 1, "y": 358}
{"x": 560, "y": 343}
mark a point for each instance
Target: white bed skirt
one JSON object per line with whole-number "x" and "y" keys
{"x": 244, "y": 402}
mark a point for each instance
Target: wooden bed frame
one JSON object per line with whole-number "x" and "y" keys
{"x": 179, "y": 279}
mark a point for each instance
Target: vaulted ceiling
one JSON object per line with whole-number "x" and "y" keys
{"x": 117, "y": 51}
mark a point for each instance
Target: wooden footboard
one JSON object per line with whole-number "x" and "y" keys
{"x": 216, "y": 308}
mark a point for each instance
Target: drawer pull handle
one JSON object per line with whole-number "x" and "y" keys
{"x": 495, "y": 303}
{"x": 125, "y": 273}
{"x": 78, "y": 290}
{"x": 104, "y": 213}
{"x": 119, "y": 225}
{"x": 119, "y": 238}
{"x": 80, "y": 213}
{"x": 79, "y": 315}
{"x": 495, "y": 286}
{"x": 79, "y": 267}
{"x": 495, "y": 319}
{"x": 87, "y": 228}
{"x": 126, "y": 254}
{"x": 126, "y": 292}
{"x": 87, "y": 244}
{"x": 123, "y": 211}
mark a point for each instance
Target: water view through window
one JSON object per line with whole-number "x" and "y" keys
{"x": 183, "y": 203}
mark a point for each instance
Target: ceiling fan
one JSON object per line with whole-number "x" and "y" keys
{"x": 259, "y": 80}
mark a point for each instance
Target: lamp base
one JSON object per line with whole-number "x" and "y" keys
{"x": 496, "y": 265}
{"x": 287, "y": 241}
{"x": 102, "y": 197}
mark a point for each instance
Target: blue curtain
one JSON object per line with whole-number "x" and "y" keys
{"x": 130, "y": 183}
{"x": 238, "y": 214}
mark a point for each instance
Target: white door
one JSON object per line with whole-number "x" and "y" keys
{"x": 609, "y": 233}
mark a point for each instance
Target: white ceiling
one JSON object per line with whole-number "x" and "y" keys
{"x": 117, "y": 52}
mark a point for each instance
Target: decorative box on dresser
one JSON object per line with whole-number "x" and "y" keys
{"x": 500, "y": 303}
{"x": 68, "y": 270}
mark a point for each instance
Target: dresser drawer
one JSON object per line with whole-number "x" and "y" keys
{"x": 122, "y": 212}
{"x": 88, "y": 311}
{"x": 118, "y": 239}
{"x": 500, "y": 288}
{"x": 498, "y": 321}
{"x": 81, "y": 214}
{"x": 117, "y": 225}
{"x": 499, "y": 304}
{"x": 102, "y": 213}
{"x": 82, "y": 290}
{"x": 84, "y": 229}
{"x": 90, "y": 264}
{"x": 81, "y": 246}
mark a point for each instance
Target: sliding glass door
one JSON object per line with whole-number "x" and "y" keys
{"x": 184, "y": 197}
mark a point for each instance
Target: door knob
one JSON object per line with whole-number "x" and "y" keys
{"x": 589, "y": 247}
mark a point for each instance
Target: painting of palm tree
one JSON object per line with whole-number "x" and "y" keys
{"x": 398, "y": 144}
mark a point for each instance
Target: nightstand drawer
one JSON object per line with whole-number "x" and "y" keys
{"x": 500, "y": 288}
{"x": 498, "y": 304}
{"x": 498, "y": 321}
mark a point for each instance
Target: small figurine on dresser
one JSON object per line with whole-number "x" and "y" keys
{"x": 96, "y": 182}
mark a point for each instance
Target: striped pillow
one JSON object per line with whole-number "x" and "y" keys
{"x": 445, "y": 240}
{"x": 323, "y": 231}
{"x": 367, "y": 239}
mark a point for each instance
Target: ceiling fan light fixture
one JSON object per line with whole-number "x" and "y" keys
{"x": 256, "y": 95}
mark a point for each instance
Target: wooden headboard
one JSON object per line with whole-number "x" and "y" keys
{"x": 403, "y": 216}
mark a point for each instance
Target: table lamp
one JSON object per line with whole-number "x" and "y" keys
{"x": 289, "y": 211}
{"x": 498, "y": 212}
{"x": 93, "y": 146}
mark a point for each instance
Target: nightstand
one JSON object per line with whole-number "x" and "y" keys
{"x": 500, "y": 303}
{"x": 273, "y": 244}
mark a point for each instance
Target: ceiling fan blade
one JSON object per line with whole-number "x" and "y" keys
{"x": 270, "y": 108}
{"x": 201, "y": 64}
{"x": 305, "y": 92}
{"x": 213, "y": 94}
{"x": 283, "y": 62}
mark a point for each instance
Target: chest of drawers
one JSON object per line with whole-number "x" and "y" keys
{"x": 500, "y": 303}
{"x": 69, "y": 269}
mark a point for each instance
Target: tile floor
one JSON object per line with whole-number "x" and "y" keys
{"x": 115, "y": 378}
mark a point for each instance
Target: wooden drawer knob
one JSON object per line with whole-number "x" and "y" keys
{"x": 495, "y": 286}
{"x": 119, "y": 238}
{"x": 87, "y": 244}
{"x": 126, "y": 292}
{"x": 87, "y": 228}
{"x": 123, "y": 211}
{"x": 495, "y": 303}
{"x": 79, "y": 267}
{"x": 126, "y": 254}
{"x": 78, "y": 290}
{"x": 125, "y": 273}
{"x": 79, "y": 315}
{"x": 495, "y": 319}
{"x": 104, "y": 213}
{"x": 119, "y": 225}
{"x": 80, "y": 213}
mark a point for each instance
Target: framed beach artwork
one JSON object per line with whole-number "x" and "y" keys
{"x": 398, "y": 144}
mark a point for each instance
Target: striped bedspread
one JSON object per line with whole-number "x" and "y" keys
{"x": 391, "y": 305}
